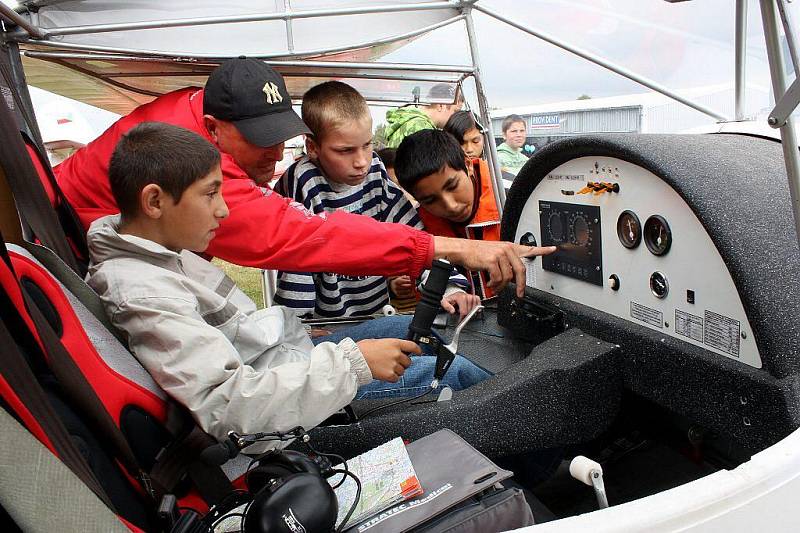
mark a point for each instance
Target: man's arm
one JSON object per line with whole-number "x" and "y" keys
{"x": 266, "y": 230}
{"x": 501, "y": 259}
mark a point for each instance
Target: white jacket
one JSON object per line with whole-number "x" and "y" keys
{"x": 205, "y": 344}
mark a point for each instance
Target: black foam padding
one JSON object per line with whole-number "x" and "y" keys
{"x": 737, "y": 187}
{"x": 742, "y": 403}
{"x": 568, "y": 390}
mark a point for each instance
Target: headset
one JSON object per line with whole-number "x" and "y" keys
{"x": 288, "y": 490}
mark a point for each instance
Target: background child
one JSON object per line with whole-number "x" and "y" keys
{"x": 510, "y": 151}
{"x": 463, "y": 126}
{"x": 341, "y": 172}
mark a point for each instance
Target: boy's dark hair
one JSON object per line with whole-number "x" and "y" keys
{"x": 388, "y": 156}
{"x": 511, "y": 119}
{"x": 154, "y": 152}
{"x": 424, "y": 153}
{"x": 460, "y": 123}
{"x": 330, "y": 104}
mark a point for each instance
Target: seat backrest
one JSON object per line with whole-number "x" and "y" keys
{"x": 135, "y": 402}
{"x": 30, "y": 392}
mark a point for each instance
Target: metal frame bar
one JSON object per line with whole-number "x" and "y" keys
{"x": 651, "y": 84}
{"x": 483, "y": 105}
{"x": 791, "y": 155}
{"x": 447, "y": 69}
{"x": 207, "y": 57}
{"x": 740, "y": 66}
{"x": 261, "y": 17}
{"x": 788, "y": 31}
{"x": 19, "y": 20}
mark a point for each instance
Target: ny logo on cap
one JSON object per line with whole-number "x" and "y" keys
{"x": 272, "y": 92}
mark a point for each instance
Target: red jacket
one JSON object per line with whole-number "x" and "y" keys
{"x": 484, "y": 225}
{"x": 263, "y": 229}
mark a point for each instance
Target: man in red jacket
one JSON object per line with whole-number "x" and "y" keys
{"x": 246, "y": 111}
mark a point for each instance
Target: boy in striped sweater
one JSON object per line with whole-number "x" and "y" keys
{"x": 341, "y": 172}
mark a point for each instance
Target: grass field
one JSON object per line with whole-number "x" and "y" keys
{"x": 247, "y": 279}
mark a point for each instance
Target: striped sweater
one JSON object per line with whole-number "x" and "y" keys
{"x": 329, "y": 294}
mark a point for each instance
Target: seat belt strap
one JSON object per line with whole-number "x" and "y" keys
{"x": 29, "y": 194}
{"x": 18, "y": 375}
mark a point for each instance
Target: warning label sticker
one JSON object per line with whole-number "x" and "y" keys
{"x": 689, "y": 325}
{"x": 647, "y": 315}
{"x": 722, "y": 333}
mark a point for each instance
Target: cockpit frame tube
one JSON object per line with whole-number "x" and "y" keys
{"x": 791, "y": 155}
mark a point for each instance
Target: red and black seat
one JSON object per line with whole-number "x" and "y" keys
{"x": 122, "y": 423}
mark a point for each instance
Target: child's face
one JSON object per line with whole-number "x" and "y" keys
{"x": 515, "y": 135}
{"x": 345, "y": 153}
{"x": 447, "y": 194}
{"x": 189, "y": 224}
{"x": 472, "y": 143}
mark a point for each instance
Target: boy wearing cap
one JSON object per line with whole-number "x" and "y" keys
{"x": 403, "y": 121}
{"x": 245, "y": 111}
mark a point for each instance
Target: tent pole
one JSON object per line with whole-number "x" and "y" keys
{"x": 483, "y": 105}
{"x": 791, "y": 155}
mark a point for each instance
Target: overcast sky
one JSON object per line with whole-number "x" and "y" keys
{"x": 679, "y": 45}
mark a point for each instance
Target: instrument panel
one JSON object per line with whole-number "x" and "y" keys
{"x": 629, "y": 245}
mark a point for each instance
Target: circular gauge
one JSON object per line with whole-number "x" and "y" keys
{"x": 556, "y": 227}
{"x": 580, "y": 231}
{"x": 629, "y": 229}
{"x": 657, "y": 235}
{"x": 659, "y": 285}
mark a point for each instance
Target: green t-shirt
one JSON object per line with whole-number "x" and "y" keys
{"x": 402, "y": 122}
{"x": 511, "y": 160}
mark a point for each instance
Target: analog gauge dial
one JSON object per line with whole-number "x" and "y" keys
{"x": 657, "y": 235}
{"x": 555, "y": 225}
{"x": 659, "y": 285}
{"x": 629, "y": 229}
{"x": 580, "y": 231}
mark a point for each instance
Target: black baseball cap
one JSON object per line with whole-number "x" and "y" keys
{"x": 251, "y": 95}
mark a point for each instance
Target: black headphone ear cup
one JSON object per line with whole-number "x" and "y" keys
{"x": 299, "y": 461}
{"x": 299, "y": 502}
{"x": 263, "y": 474}
{"x": 279, "y": 464}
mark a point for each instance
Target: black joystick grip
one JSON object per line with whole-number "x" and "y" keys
{"x": 430, "y": 302}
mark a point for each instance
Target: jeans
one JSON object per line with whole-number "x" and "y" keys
{"x": 417, "y": 378}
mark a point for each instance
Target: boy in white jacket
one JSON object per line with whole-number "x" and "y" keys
{"x": 197, "y": 334}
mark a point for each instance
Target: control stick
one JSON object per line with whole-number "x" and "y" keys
{"x": 428, "y": 307}
{"x": 591, "y": 473}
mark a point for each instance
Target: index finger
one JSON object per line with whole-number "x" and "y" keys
{"x": 533, "y": 251}
{"x": 409, "y": 346}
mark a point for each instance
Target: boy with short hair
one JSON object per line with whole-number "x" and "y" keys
{"x": 197, "y": 334}
{"x": 510, "y": 151}
{"x": 341, "y": 172}
{"x": 455, "y": 192}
